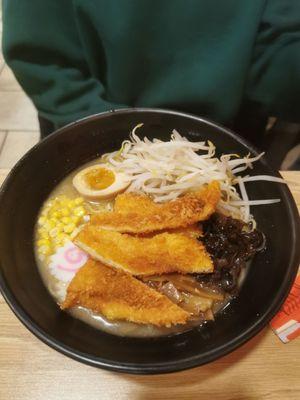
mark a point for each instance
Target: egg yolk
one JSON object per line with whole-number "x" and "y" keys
{"x": 99, "y": 178}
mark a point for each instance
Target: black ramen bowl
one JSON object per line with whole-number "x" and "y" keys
{"x": 265, "y": 287}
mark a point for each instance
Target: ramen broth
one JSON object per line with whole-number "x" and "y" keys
{"x": 229, "y": 234}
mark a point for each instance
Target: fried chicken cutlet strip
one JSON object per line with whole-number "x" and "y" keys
{"x": 136, "y": 203}
{"x": 142, "y": 215}
{"x": 128, "y": 203}
{"x": 162, "y": 253}
{"x": 119, "y": 296}
{"x": 193, "y": 231}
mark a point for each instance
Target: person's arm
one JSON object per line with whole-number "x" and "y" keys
{"x": 274, "y": 76}
{"x": 42, "y": 47}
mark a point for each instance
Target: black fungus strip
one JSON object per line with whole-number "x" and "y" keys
{"x": 231, "y": 244}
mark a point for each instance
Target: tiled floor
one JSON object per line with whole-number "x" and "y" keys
{"x": 18, "y": 120}
{"x": 18, "y": 117}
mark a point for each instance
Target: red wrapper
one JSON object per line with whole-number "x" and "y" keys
{"x": 286, "y": 324}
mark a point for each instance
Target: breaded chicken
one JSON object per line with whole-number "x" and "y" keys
{"x": 131, "y": 202}
{"x": 119, "y": 296}
{"x": 161, "y": 253}
{"x": 142, "y": 215}
{"x": 193, "y": 231}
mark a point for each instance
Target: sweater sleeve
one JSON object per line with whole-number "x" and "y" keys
{"x": 274, "y": 76}
{"x": 42, "y": 47}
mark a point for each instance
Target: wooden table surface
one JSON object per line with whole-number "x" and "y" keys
{"x": 263, "y": 368}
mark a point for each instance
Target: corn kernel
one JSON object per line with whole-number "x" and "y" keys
{"x": 44, "y": 235}
{"x": 54, "y": 214}
{"x": 43, "y": 242}
{"x": 41, "y": 221}
{"x": 75, "y": 219}
{"x": 53, "y": 232}
{"x": 69, "y": 228}
{"x": 58, "y": 220}
{"x": 66, "y": 220}
{"x": 51, "y": 223}
{"x": 65, "y": 212}
{"x": 62, "y": 237}
{"x": 78, "y": 201}
{"x": 59, "y": 226}
{"x": 79, "y": 211}
{"x": 45, "y": 249}
{"x": 58, "y": 214}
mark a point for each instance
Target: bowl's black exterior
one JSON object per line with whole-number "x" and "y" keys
{"x": 33, "y": 178}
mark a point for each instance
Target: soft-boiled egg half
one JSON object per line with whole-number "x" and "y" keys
{"x": 100, "y": 182}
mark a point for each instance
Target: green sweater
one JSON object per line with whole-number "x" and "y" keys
{"x": 209, "y": 57}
